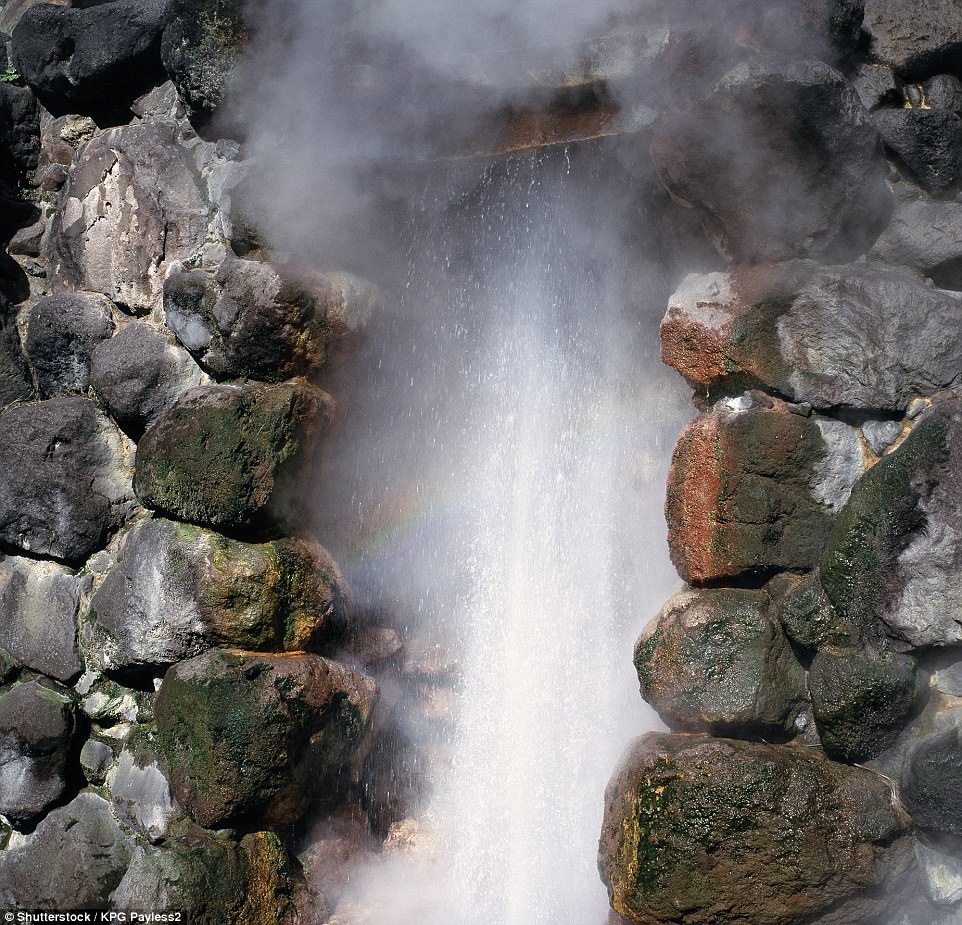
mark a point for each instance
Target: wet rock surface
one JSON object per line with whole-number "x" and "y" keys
{"x": 927, "y": 143}
{"x": 915, "y": 45}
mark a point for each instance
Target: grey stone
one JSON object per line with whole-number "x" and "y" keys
{"x": 62, "y": 332}
{"x": 74, "y": 860}
{"x": 880, "y": 435}
{"x": 927, "y": 143}
{"x": 72, "y": 489}
{"x": 141, "y": 794}
{"x": 944, "y": 91}
{"x": 919, "y": 44}
{"x": 841, "y": 465}
{"x": 158, "y": 214}
{"x": 138, "y": 374}
{"x": 107, "y": 703}
{"x": 926, "y": 236}
{"x": 39, "y": 603}
{"x": 931, "y": 780}
{"x": 806, "y": 614}
{"x": 96, "y": 757}
{"x": 36, "y": 727}
{"x": 15, "y": 382}
{"x": 942, "y": 870}
{"x": 948, "y": 680}
{"x": 876, "y": 86}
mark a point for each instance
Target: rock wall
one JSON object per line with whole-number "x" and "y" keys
{"x": 809, "y": 670}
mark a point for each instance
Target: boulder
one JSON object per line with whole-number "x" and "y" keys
{"x": 779, "y": 161}
{"x": 76, "y": 60}
{"x": 861, "y": 701}
{"x": 176, "y": 590}
{"x": 15, "y": 382}
{"x": 62, "y": 332}
{"x": 752, "y": 489}
{"x": 140, "y": 793}
{"x": 131, "y": 206}
{"x": 36, "y": 729}
{"x": 231, "y": 456}
{"x": 701, "y": 830}
{"x": 39, "y": 602}
{"x": 835, "y": 337}
{"x": 807, "y": 615}
{"x": 876, "y": 86}
{"x": 927, "y": 143}
{"x": 19, "y": 147}
{"x": 96, "y": 757}
{"x": 926, "y": 236}
{"x": 944, "y": 91}
{"x": 932, "y": 781}
{"x": 714, "y": 661}
{"x": 74, "y": 860}
{"x": 919, "y": 45}
{"x": 139, "y": 373}
{"x": 72, "y": 487}
{"x": 255, "y": 737}
{"x": 895, "y": 548}
{"x": 246, "y": 321}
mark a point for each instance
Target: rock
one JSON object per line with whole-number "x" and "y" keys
{"x": 15, "y": 382}
{"x": 138, "y": 374}
{"x": 807, "y": 615}
{"x": 932, "y": 782}
{"x": 779, "y": 161}
{"x": 927, "y": 143}
{"x": 131, "y": 206}
{"x": 855, "y": 336}
{"x": 76, "y": 60}
{"x": 36, "y": 728}
{"x": 72, "y": 488}
{"x": 926, "y": 236}
{"x": 19, "y": 144}
{"x": 200, "y": 49}
{"x": 96, "y": 757}
{"x": 944, "y": 91}
{"x": 39, "y": 602}
{"x": 107, "y": 703}
{"x": 714, "y": 661}
{"x": 713, "y": 830}
{"x": 62, "y": 332}
{"x": 176, "y": 590}
{"x": 245, "y": 737}
{"x": 231, "y": 456}
{"x": 339, "y": 844}
{"x": 876, "y": 86}
{"x": 74, "y": 860}
{"x": 895, "y": 546}
{"x": 917, "y": 46}
{"x": 213, "y": 881}
{"x": 880, "y": 435}
{"x": 861, "y": 701}
{"x": 247, "y": 321}
{"x": 140, "y": 793}
{"x": 740, "y": 494}
{"x": 942, "y": 870}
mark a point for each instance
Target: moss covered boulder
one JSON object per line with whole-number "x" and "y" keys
{"x": 178, "y": 589}
{"x": 706, "y": 831}
{"x": 255, "y": 737}
{"x": 714, "y": 660}
{"x": 807, "y": 615}
{"x": 932, "y": 780}
{"x": 231, "y": 457}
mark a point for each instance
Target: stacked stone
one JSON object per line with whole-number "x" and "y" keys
{"x": 167, "y": 704}
{"x": 810, "y": 671}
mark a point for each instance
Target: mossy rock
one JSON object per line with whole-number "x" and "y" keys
{"x": 705, "y": 831}
{"x": 254, "y": 738}
{"x": 807, "y": 615}
{"x": 932, "y": 781}
{"x": 232, "y": 457}
{"x": 714, "y": 661}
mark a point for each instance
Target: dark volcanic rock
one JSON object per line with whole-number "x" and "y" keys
{"x": 896, "y": 547}
{"x": 861, "y": 701}
{"x": 39, "y": 602}
{"x": 79, "y": 60}
{"x": 927, "y": 236}
{"x": 176, "y": 590}
{"x": 714, "y": 661}
{"x": 248, "y": 736}
{"x": 231, "y": 456}
{"x": 807, "y": 615}
{"x": 927, "y": 143}
{"x": 19, "y": 149}
{"x": 916, "y": 42}
{"x": 779, "y": 161}
{"x": 157, "y": 214}
{"x": 36, "y": 726}
{"x": 72, "y": 486}
{"x": 74, "y": 860}
{"x": 139, "y": 373}
{"x": 876, "y": 86}
{"x": 719, "y": 831}
{"x": 851, "y": 336}
{"x": 15, "y": 382}
{"x": 944, "y": 91}
{"x": 62, "y": 332}
{"x": 932, "y": 782}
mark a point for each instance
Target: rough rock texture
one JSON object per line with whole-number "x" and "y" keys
{"x": 927, "y": 143}
{"x": 944, "y": 91}
{"x": 714, "y": 661}
{"x": 248, "y": 737}
{"x": 131, "y": 205}
{"x": 891, "y": 561}
{"x": 917, "y": 43}
{"x": 850, "y": 336}
{"x": 62, "y": 333}
{"x": 780, "y": 161}
{"x": 246, "y": 321}
{"x": 807, "y": 615}
{"x": 72, "y": 488}
{"x": 39, "y": 602}
{"x": 36, "y": 727}
{"x": 19, "y": 135}
{"x": 75, "y": 859}
{"x": 740, "y": 492}
{"x": 15, "y": 382}
{"x": 231, "y": 456}
{"x": 140, "y": 793}
{"x": 861, "y": 702}
{"x": 932, "y": 781}
{"x": 926, "y": 236}
{"x": 139, "y": 373}
{"x": 177, "y": 590}
{"x": 876, "y": 86}
{"x": 700, "y": 830}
